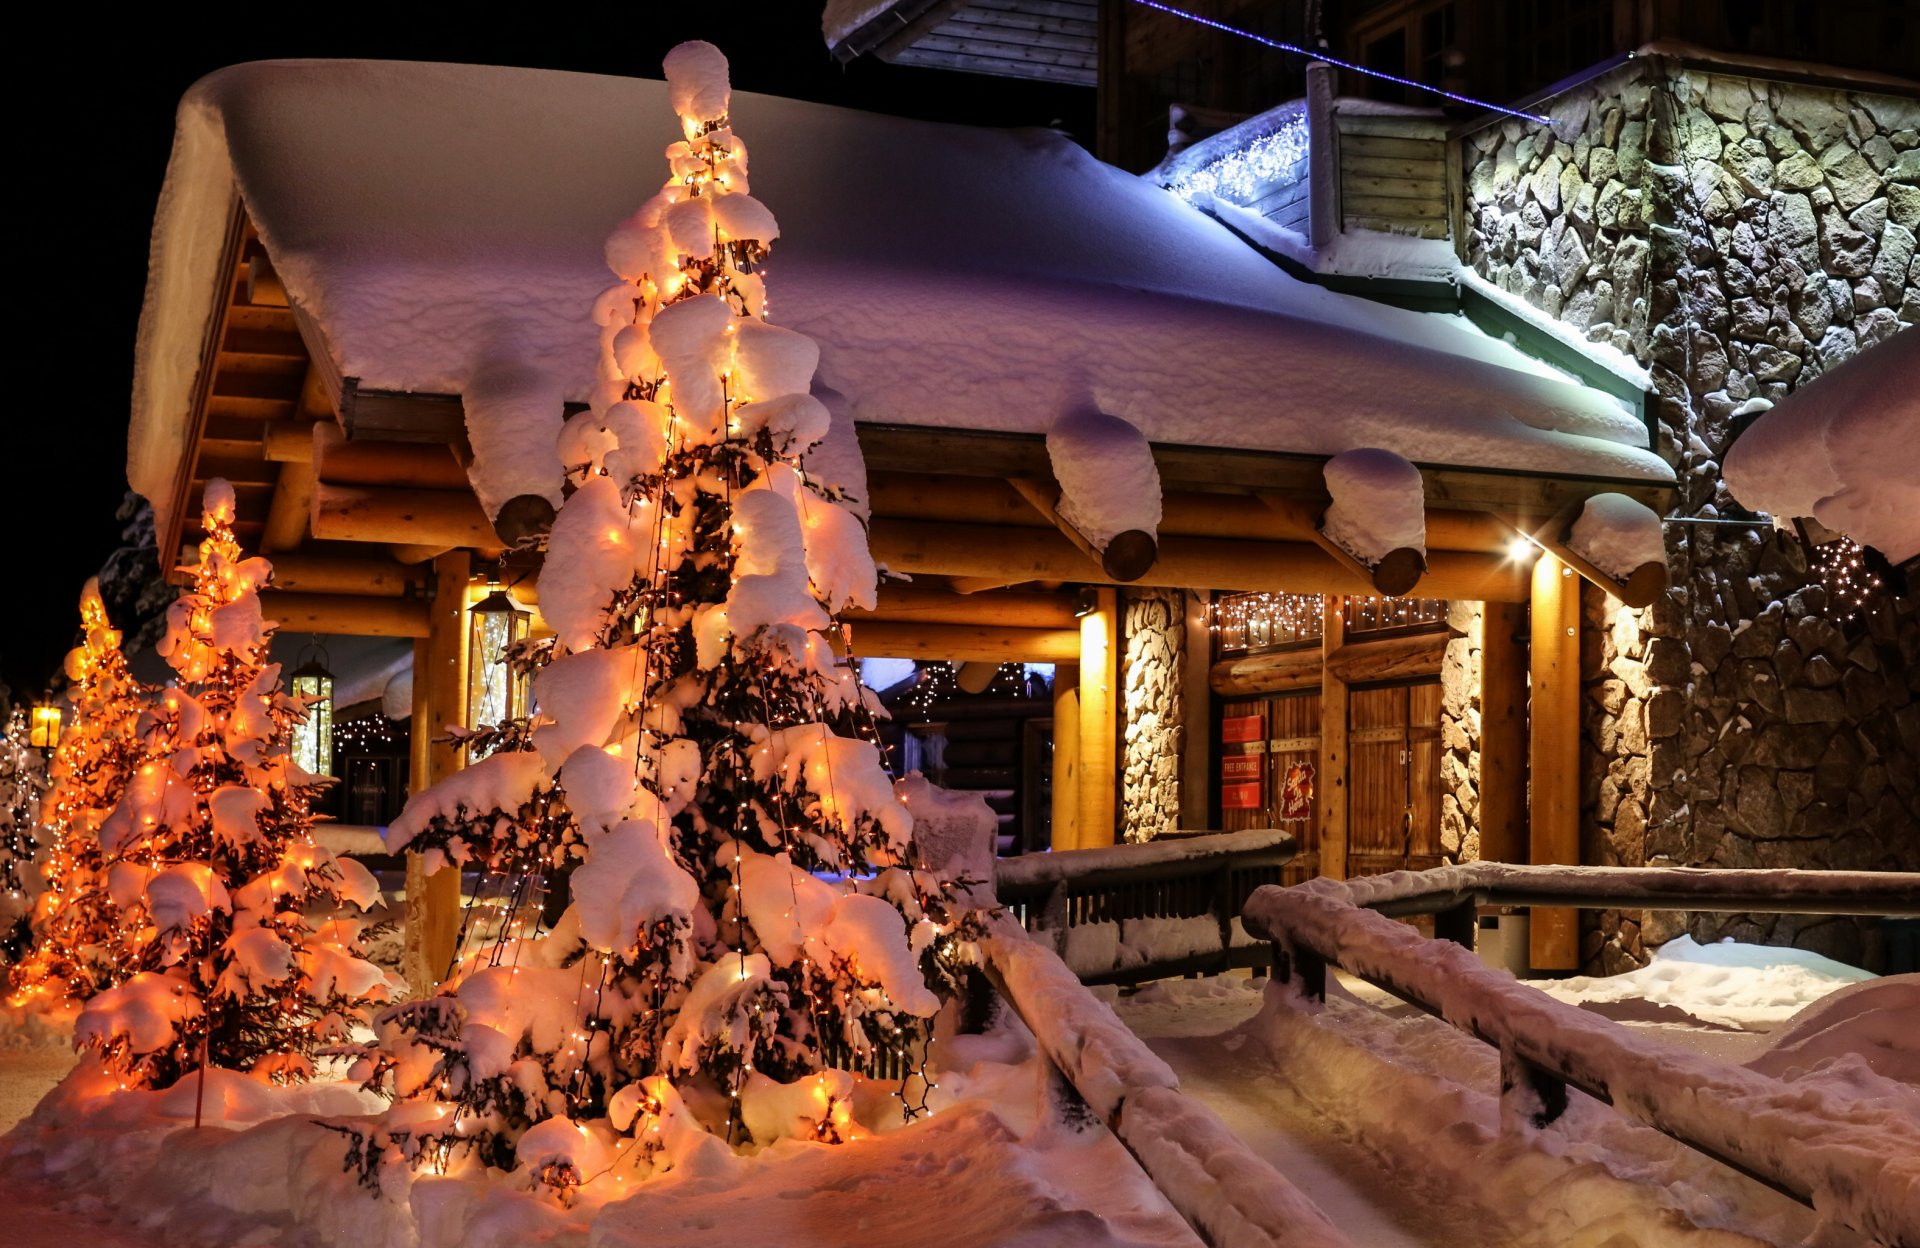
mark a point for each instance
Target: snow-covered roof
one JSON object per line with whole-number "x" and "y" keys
{"x": 431, "y": 218}
{"x": 1844, "y": 449}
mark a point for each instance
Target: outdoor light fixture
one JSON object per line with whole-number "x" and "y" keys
{"x": 1520, "y": 548}
{"x": 313, "y": 738}
{"x": 1086, "y": 603}
{"x": 43, "y": 732}
{"x": 495, "y": 693}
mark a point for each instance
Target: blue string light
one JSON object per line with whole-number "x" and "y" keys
{"x": 1358, "y": 69}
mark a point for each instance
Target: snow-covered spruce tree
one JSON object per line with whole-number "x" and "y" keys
{"x": 750, "y": 918}
{"x": 22, "y": 781}
{"x": 79, "y": 938}
{"x": 237, "y": 961}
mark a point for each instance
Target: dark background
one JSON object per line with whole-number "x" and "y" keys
{"x": 93, "y": 113}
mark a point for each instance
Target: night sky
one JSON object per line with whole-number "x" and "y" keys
{"x": 91, "y": 135}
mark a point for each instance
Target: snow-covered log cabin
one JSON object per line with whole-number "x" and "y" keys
{"x": 1291, "y": 554}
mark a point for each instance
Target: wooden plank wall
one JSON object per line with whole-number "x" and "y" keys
{"x": 1393, "y": 174}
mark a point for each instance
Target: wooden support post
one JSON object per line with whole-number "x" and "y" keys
{"x": 1554, "y": 753}
{"x": 439, "y": 704}
{"x": 1066, "y": 756}
{"x": 1196, "y": 698}
{"x": 1331, "y": 782}
{"x": 1503, "y": 733}
{"x": 1099, "y": 730}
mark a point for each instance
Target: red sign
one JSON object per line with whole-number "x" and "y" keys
{"x": 1296, "y": 792}
{"x": 1238, "y": 728}
{"x": 1242, "y": 781}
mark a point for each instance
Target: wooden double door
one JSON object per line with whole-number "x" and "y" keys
{"x": 1392, "y": 775}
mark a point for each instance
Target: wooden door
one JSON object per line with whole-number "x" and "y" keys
{"x": 1393, "y": 738}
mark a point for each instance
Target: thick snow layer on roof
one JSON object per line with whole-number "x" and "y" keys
{"x": 435, "y": 218}
{"x": 1843, "y": 449}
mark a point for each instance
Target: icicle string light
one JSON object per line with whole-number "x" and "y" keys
{"x": 1320, "y": 55}
{"x": 1244, "y": 621}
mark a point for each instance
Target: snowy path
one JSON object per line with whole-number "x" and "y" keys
{"x": 1374, "y": 1207}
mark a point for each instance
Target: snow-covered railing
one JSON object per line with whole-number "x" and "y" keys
{"x": 1230, "y": 1196}
{"x": 1128, "y": 913}
{"x": 1855, "y": 1162}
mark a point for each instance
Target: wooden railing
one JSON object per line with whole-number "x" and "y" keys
{"x": 1163, "y": 908}
{"x": 1786, "y": 1135}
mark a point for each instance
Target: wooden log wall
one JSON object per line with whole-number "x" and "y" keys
{"x": 1393, "y": 174}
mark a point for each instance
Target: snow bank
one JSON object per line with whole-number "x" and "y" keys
{"x": 992, "y": 1165}
{"x": 1842, "y": 449}
{"x": 1752, "y": 987}
{"x": 1875, "y": 1022}
{"x": 1379, "y": 504}
{"x": 1010, "y": 260}
{"x": 1618, "y": 535}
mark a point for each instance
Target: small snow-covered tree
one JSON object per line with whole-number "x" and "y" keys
{"x": 750, "y": 918}
{"x": 22, "y": 781}
{"x": 237, "y": 962}
{"x": 79, "y": 938}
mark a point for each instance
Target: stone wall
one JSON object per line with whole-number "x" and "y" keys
{"x": 1736, "y": 238}
{"x": 1460, "y": 733}
{"x": 1152, "y": 668}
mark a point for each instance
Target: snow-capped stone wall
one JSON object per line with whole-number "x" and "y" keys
{"x": 1735, "y": 237}
{"x": 1460, "y": 733}
{"x": 1153, "y": 726}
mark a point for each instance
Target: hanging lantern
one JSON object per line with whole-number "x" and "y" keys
{"x": 313, "y": 740}
{"x": 43, "y": 732}
{"x": 495, "y": 692}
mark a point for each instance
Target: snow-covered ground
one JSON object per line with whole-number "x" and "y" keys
{"x": 999, "y": 1164}
{"x": 1390, "y": 1120}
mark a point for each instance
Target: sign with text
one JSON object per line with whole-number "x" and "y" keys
{"x": 1296, "y": 793}
{"x": 1242, "y": 781}
{"x": 1239, "y": 729}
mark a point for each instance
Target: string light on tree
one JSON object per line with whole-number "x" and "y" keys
{"x": 22, "y": 782}
{"x": 750, "y": 916}
{"x": 240, "y": 956}
{"x": 81, "y": 938}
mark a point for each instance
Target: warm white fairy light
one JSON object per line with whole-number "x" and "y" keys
{"x": 1842, "y": 568}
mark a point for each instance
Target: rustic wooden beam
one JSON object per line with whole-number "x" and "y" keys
{"x": 263, "y": 286}
{"x": 955, "y": 499}
{"x": 1503, "y": 732}
{"x": 979, "y": 584}
{"x": 1407, "y": 657}
{"x": 290, "y": 508}
{"x": 1010, "y": 556}
{"x": 1125, "y": 558}
{"x": 414, "y": 465}
{"x": 1397, "y": 573}
{"x": 287, "y": 442}
{"x": 934, "y": 604}
{"x": 390, "y": 515}
{"x": 345, "y": 574}
{"x": 1099, "y": 720}
{"x": 344, "y": 615}
{"x": 1642, "y": 586}
{"x": 404, "y": 553}
{"x": 966, "y": 643}
{"x": 1330, "y": 780}
{"x": 1553, "y": 753}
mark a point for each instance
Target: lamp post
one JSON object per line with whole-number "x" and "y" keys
{"x": 313, "y": 738}
{"x": 495, "y": 692}
{"x": 43, "y": 732}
